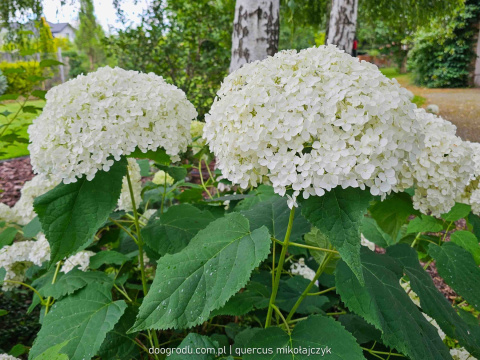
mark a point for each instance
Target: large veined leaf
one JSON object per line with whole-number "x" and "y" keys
{"x": 83, "y": 319}
{"x": 469, "y": 242}
{"x": 192, "y": 283}
{"x": 457, "y": 267}
{"x": 290, "y": 291}
{"x": 457, "y": 212}
{"x": 107, "y": 257}
{"x": 434, "y": 303}
{"x": 424, "y": 223}
{"x": 316, "y": 238}
{"x": 372, "y": 232}
{"x": 71, "y": 214}
{"x": 359, "y": 328}
{"x": 261, "y": 193}
{"x": 383, "y": 303}
{"x": 193, "y": 342}
{"x": 338, "y": 215}
{"x": 175, "y": 228}
{"x": 274, "y": 214}
{"x": 319, "y": 333}
{"x": 53, "y": 353}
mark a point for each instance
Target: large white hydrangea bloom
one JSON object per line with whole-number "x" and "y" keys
{"x": 444, "y": 167}
{"x": 91, "y": 120}
{"x": 471, "y": 194}
{"x": 125, "y": 200}
{"x": 312, "y": 121}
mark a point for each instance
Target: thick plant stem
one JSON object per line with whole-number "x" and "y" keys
{"x": 279, "y": 268}
{"x": 140, "y": 250}
{"x": 49, "y": 299}
{"x": 319, "y": 272}
{"x": 42, "y": 301}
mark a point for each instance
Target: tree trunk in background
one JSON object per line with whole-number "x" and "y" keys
{"x": 343, "y": 24}
{"x": 476, "y": 74}
{"x": 256, "y": 30}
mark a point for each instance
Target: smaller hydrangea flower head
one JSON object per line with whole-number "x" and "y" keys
{"x": 443, "y": 169}
{"x": 471, "y": 194}
{"x": 125, "y": 200}
{"x": 80, "y": 259}
{"x": 161, "y": 177}
{"x": 92, "y": 120}
{"x": 311, "y": 121}
{"x": 196, "y": 131}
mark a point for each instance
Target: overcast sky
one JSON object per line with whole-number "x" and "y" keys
{"x": 104, "y": 11}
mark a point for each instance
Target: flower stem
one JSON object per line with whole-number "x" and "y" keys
{"x": 279, "y": 268}
{"x": 42, "y": 300}
{"x": 201, "y": 179}
{"x": 306, "y": 246}
{"x": 49, "y": 299}
{"x": 319, "y": 272}
{"x": 322, "y": 292}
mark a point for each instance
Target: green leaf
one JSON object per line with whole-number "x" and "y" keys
{"x": 50, "y": 62}
{"x": 469, "y": 242}
{"x": 32, "y": 228}
{"x": 274, "y": 214}
{"x": 474, "y": 220}
{"x": 363, "y": 331}
{"x": 72, "y": 281}
{"x": 176, "y": 172}
{"x": 434, "y": 303}
{"x": 118, "y": 345}
{"x": 424, "y": 223}
{"x": 82, "y": 319}
{"x": 13, "y": 71}
{"x": 39, "y": 94}
{"x": 393, "y": 212}
{"x": 144, "y": 167}
{"x": 107, "y": 257}
{"x": 317, "y": 239}
{"x": 31, "y": 109}
{"x": 215, "y": 265}
{"x": 3, "y": 272}
{"x": 71, "y": 214}
{"x": 53, "y": 353}
{"x": 338, "y": 214}
{"x": 289, "y": 292}
{"x": 7, "y": 236}
{"x": 18, "y": 350}
{"x": 383, "y": 303}
{"x": 262, "y": 193}
{"x": 175, "y": 228}
{"x": 191, "y": 343}
{"x": 459, "y": 211}
{"x": 316, "y": 332}
{"x": 457, "y": 267}
{"x": 372, "y": 232}
{"x": 9, "y": 97}
{"x": 159, "y": 155}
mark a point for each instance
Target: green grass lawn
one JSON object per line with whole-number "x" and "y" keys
{"x": 18, "y": 126}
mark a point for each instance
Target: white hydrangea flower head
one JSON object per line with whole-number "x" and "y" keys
{"x": 7, "y": 214}
{"x": 8, "y": 357}
{"x": 125, "y": 200}
{"x": 367, "y": 243}
{"x": 80, "y": 259}
{"x": 461, "y": 354}
{"x": 92, "y": 120}
{"x": 161, "y": 178}
{"x": 303, "y": 270}
{"x": 411, "y": 294}
{"x": 145, "y": 217}
{"x": 40, "y": 250}
{"x": 39, "y": 185}
{"x": 471, "y": 194}
{"x": 444, "y": 167}
{"x": 311, "y": 121}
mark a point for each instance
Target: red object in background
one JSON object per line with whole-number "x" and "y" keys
{"x": 355, "y": 44}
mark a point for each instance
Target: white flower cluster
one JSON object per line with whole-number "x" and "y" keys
{"x": 444, "y": 167}
{"x": 303, "y": 270}
{"x": 161, "y": 178}
{"x": 461, "y": 354}
{"x": 312, "y": 121}
{"x": 22, "y": 212}
{"x": 471, "y": 194}
{"x": 80, "y": 259}
{"x": 7, "y": 357}
{"x": 125, "y": 200}
{"x": 91, "y": 120}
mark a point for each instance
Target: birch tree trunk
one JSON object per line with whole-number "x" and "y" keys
{"x": 256, "y": 29}
{"x": 343, "y": 24}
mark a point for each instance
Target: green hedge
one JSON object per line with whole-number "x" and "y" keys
{"x": 20, "y": 83}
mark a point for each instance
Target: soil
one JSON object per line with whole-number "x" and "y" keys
{"x": 13, "y": 174}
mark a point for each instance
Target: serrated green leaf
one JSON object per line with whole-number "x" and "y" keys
{"x": 434, "y": 303}
{"x": 176, "y": 172}
{"x": 118, "y": 345}
{"x": 316, "y": 238}
{"x": 372, "y": 232}
{"x": 338, "y": 214}
{"x": 107, "y": 257}
{"x": 54, "y": 353}
{"x": 274, "y": 214}
{"x": 29, "y": 109}
{"x": 469, "y": 242}
{"x": 459, "y": 211}
{"x": 424, "y": 223}
{"x": 215, "y": 265}
{"x": 84, "y": 319}
{"x": 474, "y": 220}
{"x": 72, "y": 281}
{"x": 7, "y": 236}
{"x": 393, "y": 212}
{"x": 71, "y": 214}
{"x": 175, "y": 228}
{"x": 457, "y": 267}
{"x": 359, "y": 328}
{"x": 18, "y": 350}
{"x": 316, "y": 332}
{"x": 262, "y": 193}
{"x": 192, "y": 342}
{"x": 383, "y": 303}
{"x": 39, "y": 94}
{"x": 50, "y": 62}
{"x": 32, "y": 228}
{"x": 289, "y": 292}
{"x": 159, "y": 155}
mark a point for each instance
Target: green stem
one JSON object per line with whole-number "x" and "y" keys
{"x": 49, "y": 299}
{"x": 319, "y": 272}
{"x": 381, "y": 352}
{"x": 164, "y": 195}
{"x": 285, "y": 244}
{"x": 124, "y": 229}
{"x": 416, "y": 239}
{"x": 201, "y": 179}
{"x": 446, "y": 231}
{"x": 277, "y": 310}
{"x": 306, "y": 246}
{"x": 42, "y": 300}
{"x": 322, "y": 292}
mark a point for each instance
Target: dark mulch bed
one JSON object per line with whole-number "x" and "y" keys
{"x": 13, "y": 174}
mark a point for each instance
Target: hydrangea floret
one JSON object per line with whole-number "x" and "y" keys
{"x": 311, "y": 121}
{"x": 92, "y": 120}
{"x": 125, "y": 200}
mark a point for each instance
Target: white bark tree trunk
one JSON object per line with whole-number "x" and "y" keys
{"x": 476, "y": 74}
{"x": 256, "y": 30}
{"x": 343, "y": 24}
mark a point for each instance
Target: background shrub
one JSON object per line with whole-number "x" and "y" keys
{"x": 20, "y": 82}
